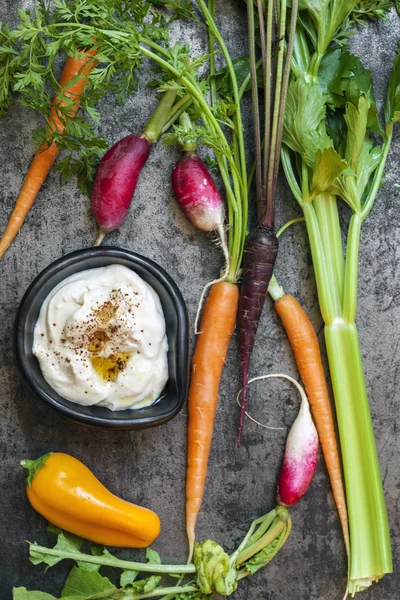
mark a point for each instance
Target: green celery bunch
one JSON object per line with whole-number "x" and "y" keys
{"x": 334, "y": 147}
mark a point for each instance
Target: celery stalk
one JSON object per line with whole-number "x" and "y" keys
{"x": 370, "y": 552}
{"x": 370, "y": 556}
{"x": 329, "y": 154}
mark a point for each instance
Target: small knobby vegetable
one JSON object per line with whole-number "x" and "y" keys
{"x": 119, "y": 169}
{"x": 72, "y": 84}
{"x": 67, "y": 494}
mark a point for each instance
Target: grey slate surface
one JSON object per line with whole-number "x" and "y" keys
{"x": 149, "y": 467}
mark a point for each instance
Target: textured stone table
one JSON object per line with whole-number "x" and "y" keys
{"x": 149, "y": 467}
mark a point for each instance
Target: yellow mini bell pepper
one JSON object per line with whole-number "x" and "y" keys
{"x": 68, "y": 495}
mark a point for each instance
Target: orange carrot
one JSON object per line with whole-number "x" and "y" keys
{"x": 216, "y": 328}
{"x": 304, "y": 342}
{"x": 45, "y": 157}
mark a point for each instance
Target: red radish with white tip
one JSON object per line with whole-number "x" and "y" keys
{"x": 119, "y": 169}
{"x": 197, "y": 194}
{"x": 116, "y": 179}
{"x": 301, "y": 450}
{"x": 193, "y": 186}
{"x": 300, "y": 459}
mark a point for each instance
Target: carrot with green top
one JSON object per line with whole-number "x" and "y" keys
{"x": 76, "y": 71}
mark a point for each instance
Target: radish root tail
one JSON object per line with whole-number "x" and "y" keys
{"x": 100, "y": 238}
{"x": 272, "y": 376}
{"x": 224, "y": 245}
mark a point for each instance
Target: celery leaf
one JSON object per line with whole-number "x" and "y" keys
{"x": 392, "y": 102}
{"x": 356, "y": 118}
{"x": 22, "y": 593}
{"x": 328, "y": 167}
{"x": 66, "y": 542}
{"x": 81, "y": 582}
{"x": 304, "y": 125}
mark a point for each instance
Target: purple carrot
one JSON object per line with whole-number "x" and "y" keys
{"x": 119, "y": 169}
{"x": 261, "y": 245}
{"x": 259, "y": 257}
{"x": 301, "y": 455}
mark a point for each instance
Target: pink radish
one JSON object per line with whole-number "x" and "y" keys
{"x": 193, "y": 186}
{"x": 301, "y": 455}
{"x": 197, "y": 194}
{"x": 116, "y": 179}
{"x": 301, "y": 451}
{"x": 119, "y": 169}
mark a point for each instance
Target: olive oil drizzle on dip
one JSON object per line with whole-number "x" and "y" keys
{"x": 100, "y": 339}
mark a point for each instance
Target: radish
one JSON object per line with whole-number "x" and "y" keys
{"x": 198, "y": 196}
{"x": 301, "y": 455}
{"x": 301, "y": 451}
{"x": 119, "y": 169}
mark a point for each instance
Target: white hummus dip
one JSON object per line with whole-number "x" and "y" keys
{"x": 100, "y": 339}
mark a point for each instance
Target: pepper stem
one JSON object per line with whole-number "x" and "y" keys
{"x": 33, "y": 467}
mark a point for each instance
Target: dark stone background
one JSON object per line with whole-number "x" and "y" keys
{"x": 149, "y": 467}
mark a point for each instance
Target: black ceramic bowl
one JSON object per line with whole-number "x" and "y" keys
{"x": 177, "y": 328}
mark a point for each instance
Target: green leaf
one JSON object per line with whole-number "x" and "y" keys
{"x": 344, "y": 79}
{"x": 361, "y": 154}
{"x": 328, "y": 167}
{"x": 22, "y": 593}
{"x": 262, "y": 558}
{"x": 66, "y": 542}
{"x": 304, "y": 125}
{"x": 356, "y": 119}
{"x": 151, "y": 584}
{"x": 242, "y": 70}
{"x": 392, "y": 101}
{"x": 95, "y": 551}
{"x": 152, "y": 556}
{"x": 81, "y": 582}
{"x": 145, "y": 586}
{"x": 128, "y": 577}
